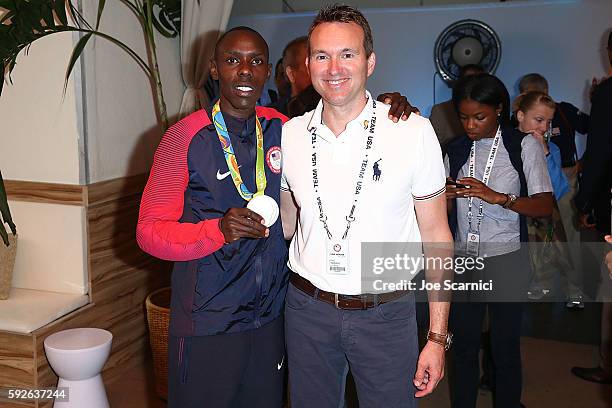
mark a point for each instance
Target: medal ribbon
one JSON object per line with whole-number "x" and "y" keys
{"x": 230, "y": 157}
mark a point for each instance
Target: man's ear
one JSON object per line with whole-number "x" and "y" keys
{"x": 269, "y": 71}
{"x": 371, "y": 63}
{"x": 213, "y": 70}
{"x": 289, "y": 74}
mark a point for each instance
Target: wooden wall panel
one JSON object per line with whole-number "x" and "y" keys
{"x": 112, "y": 190}
{"x": 69, "y": 194}
{"x": 120, "y": 275}
{"x": 16, "y": 360}
{"x": 6, "y": 403}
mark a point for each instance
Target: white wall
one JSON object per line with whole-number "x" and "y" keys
{"x": 561, "y": 39}
{"x": 39, "y": 138}
{"x": 249, "y": 7}
{"x": 122, "y": 131}
{"x": 40, "y": 141}
{"x": 111, "y": 133}
{"x": 51, "y": 247}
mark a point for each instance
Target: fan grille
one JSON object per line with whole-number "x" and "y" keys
{"x": 451, "y": 45}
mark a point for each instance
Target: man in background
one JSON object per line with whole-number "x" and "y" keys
{"x": 282, "y": 86}
{"x": 443, "y": 115}
{"x": 593, "y": 202}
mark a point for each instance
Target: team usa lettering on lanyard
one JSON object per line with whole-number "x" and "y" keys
{"x": 337, "y": 248}
{"x": 473, "y": 235}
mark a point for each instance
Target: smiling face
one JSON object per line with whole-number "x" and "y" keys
{"x": 535, "y": 120}
{"x": 479, "y": 120}
{"x": 241, "y": 66}
{"x": 338, "y": 64}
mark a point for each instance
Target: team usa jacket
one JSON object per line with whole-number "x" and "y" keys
{"x": 216, "y": 287}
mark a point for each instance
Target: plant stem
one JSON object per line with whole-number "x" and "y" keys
{"x": 161, "y": 104}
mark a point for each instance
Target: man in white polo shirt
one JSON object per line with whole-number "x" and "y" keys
{"x": 355, "y": 176}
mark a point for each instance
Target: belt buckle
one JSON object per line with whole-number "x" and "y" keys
{"x": 336, "y": 301}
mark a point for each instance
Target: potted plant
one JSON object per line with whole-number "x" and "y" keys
{"x": 8, "y": 247}
{"x": 24, "y": 22}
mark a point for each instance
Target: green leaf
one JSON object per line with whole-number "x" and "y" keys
{"x": 101, "y": 4}
{"x": 4, "y": 235}
{"x": 60, "y": 10}
{"x": 5, "y": 214}
{"x": 76, "y": 53}
{"x": 47, "y": 15}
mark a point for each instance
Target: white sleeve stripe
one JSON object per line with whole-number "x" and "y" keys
{"x": 429, "y": 196}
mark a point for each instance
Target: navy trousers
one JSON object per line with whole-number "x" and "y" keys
{"x": 505, "y": 318}
{"x": 233, "y": 370}
{"x": 379, "y": 345}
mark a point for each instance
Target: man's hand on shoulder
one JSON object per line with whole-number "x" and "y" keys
{"x": 400, "y": 107}
{"x": 430, "y": 369}
{"x": 242, "y": 223}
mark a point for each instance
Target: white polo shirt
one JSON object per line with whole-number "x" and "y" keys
{"x": 409, "y": 166}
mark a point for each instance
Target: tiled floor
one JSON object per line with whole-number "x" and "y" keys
{"x": 547, "y": 381}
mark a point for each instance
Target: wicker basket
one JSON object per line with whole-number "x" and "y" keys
{"x": 158, "y": 316}
{"x": 7, "y": 263}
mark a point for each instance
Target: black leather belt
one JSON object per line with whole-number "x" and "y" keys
{"x": 345, "y": 302}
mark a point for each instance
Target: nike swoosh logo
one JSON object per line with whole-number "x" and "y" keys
{"x": 280, "y": 365}
{"x": 221, "y": 176}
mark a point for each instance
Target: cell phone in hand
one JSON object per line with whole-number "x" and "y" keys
{"x": 453, "y": 183}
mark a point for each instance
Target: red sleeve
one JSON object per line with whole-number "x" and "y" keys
{"x": 159, "y": 231}
{"x": 270, "y": 113}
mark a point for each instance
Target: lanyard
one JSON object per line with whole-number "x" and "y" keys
{"x": 359, "y": 184}
{"x": 230, "y": 157}
{"x": 485, "y": 177}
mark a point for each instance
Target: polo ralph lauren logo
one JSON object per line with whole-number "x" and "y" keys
{"x": 377, "y": 171}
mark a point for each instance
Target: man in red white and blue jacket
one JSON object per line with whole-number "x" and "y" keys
{"x": 226, "y": 342}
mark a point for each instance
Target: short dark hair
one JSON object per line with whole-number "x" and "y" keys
{"x": 610, "y": 41}
{"x": 533, "y": 79}
{"x": 340, "y": 13}
{"x": 242, "y": 28}
{"x": 288, "y": 56}
{"x": 486, "y": 89}
{"x": 477, "y": 69}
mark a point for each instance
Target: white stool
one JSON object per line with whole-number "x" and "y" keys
{"x": 77, "y": 356}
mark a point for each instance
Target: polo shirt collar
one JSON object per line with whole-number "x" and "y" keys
{"x": 316, "y": 120}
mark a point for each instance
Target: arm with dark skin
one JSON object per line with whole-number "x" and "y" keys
{"x": 242, "y": 223}
{"x": 538, "y": 205}
{"x": 400, "y": 107}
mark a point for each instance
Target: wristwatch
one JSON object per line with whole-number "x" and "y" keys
{"x": 444, "y": 340}
{"x": 510, "y": 201}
